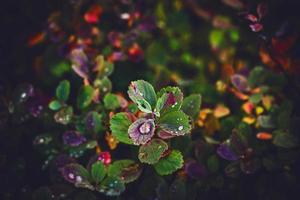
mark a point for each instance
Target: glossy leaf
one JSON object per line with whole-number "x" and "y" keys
{"x": 175, "y": 123}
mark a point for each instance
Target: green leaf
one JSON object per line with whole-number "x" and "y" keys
{"x": 111, "y": 101}
{"x": 55, "y": 105}
{"x": 63, "y": 90}
{"x": 175, "y": 123}
{"x": 257, "y": 76}
{"x": 170, "y": 99}
{"x": 126, "y": 169}
{"x": 169, "y": 164}
{"x": 93, "y": 122}
{"x": 216, "y": 37}
{"x": 156, "y": 54}
{"x": 119, "y": 125}
{"x": 142, "y": 93}
{"x": 102, "y": 67}
{"x": 85, "y": 96}
{"x": 151, "y": 152}
{"x": 98, "y": 172}
{"x": 255, "y": 98}
{"x": 284, "y": 139}
{"x": 103, "y": 84}
{"x": 191, "y": 105}
{"x": 112, "y": 186}
{"x": 91, "y": 144}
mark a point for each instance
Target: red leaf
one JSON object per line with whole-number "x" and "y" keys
{"x": 92, "y": 16}
{"x": 256, "y": 27}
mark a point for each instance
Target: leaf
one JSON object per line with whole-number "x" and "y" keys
{"x": 63, "y": 90}
{"x": 54, "y": 105}
{"x": 156, "y": 54}
{"x": 111, "y": 101}
{"x": 119, "y": 125}
{"x": 141, "y": 131}
{"x": 85, "y": 96}
{"x": 265, "y": 121}
{"x": 240, "y": 82}
{"x": 151, "y": 152}
{"x": 112, "y": 186}
{"x": 225, "y": 152}
{"x": 256, "y": 77}
{"x": 93, "y": 121}
{"x": 76, "y": 174}
{"x": 103, "y": 68}
{"x": 175, "y": 123}
{"x": 284, "y": 139}
{"x": 170, "y": 163}
{"x": 256, "y": 98}
{"x": 73, "y": 138}
{"x": 126, "y": 169}
{"x": 191, "y": 105}
{"x": 103, "y": 84}
{"x": 141, "y": 92}
{"x": 64, "y": 116}
{"x": 98, "y": 172}
{"x": 170, "y": 99}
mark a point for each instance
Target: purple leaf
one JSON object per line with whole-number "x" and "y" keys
{"x": 79, "y": 63}
{"x": 141, "y": 131}
{"x": 165, "y": 135}
{"x": 225, "y": 152}
{"x": 194, "y": 169}
{"x": 73, "y": 138}
{"x": 256, "y": 27}
{"x": 240, "y": 82}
